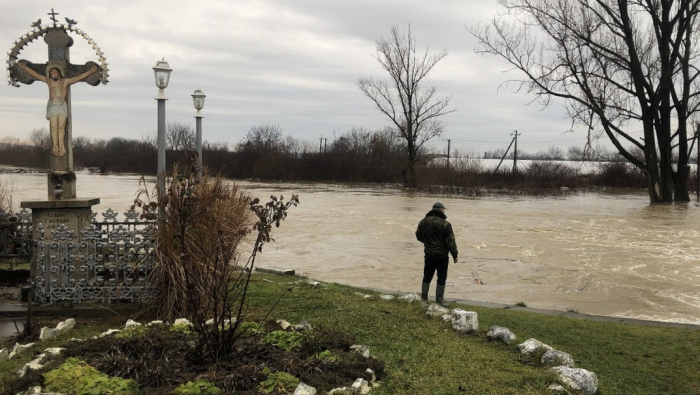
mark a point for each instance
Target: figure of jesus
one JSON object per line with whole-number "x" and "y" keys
{"x": 57, "y": 108}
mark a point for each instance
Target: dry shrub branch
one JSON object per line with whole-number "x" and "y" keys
{"x": 202, "y": 274}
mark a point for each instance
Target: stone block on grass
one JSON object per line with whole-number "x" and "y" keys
{"x": 465, "y": 321}
{"x": 557, "y": 358}
{"x": 532, "y": 346}
{"x": 578, "y": 379}
{"x": 436, "y": 309}
{"x": 501, "y": 334}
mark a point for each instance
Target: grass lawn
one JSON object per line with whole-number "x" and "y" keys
{"x": 426, "y": 356}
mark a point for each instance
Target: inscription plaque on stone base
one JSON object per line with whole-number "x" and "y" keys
{"x": 75, "y": 214}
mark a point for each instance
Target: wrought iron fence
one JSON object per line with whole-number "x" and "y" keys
{"x": 16, "y": 242}
{"x": 109, "y": 262}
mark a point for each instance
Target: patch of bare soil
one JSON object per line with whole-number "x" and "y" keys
{"x": 10, "y": 294}
{"x": 160, "y": 360}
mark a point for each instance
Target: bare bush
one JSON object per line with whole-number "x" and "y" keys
{"x": 5, "y": 198}
{"x": 544, "y": 174}
{"x": 620, "y": 174}
{"x": 201, "y": 226}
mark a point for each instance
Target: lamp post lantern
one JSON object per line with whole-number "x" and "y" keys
{"x": 162, "y": 72}
{"x": 198, "y": 99}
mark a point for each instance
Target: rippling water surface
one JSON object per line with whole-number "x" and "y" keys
{"x": 598, "y": 252}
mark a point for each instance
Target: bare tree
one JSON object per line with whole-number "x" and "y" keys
{"x": 414, "y": 110}
{"x": 41, "y": 141}
{"x": 150, "y": 140}
{"x": 620, "y": 66}
{"x": 179, "y": 136}
{"x": 263, "y": 139}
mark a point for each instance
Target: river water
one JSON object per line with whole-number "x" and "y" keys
{"x": 600, "y": 252}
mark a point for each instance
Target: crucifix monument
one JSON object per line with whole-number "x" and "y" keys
{"x": 62, "y": 206}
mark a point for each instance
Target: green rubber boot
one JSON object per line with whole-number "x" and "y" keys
{"x": 424, "y": 292}
{"x": 440, "y": 296}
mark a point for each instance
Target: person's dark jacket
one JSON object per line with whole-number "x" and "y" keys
{"x": 436, "y": 235}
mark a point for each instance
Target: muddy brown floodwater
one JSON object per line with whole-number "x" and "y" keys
{"x": 602, "y": 252}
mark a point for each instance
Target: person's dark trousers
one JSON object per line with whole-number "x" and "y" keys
{"x": 433, "y": 264}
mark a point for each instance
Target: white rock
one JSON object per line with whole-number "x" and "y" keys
{"x": 109, "y": 332}
{"x": 35, "y": 364}
{"x": 62, "y": 327}
{"x": 361, "y": 386}
{"x": 313, "y": 283}
{"x": 304, "y": 389}
{"x": 47, "y": 333}
{"x": 19, "y": 349}
{"x": 76, "y": 340}
{"x": 66, "y": 325}
{"x": 156, "y": 322}
{"x": 532, "y": 346}
{"x": 54, "y": 351}
{"x": 410, "y": 297}
{"x": 557, "y": 358}
{"x": 4, "y": 354}
{"x": 367, "y": 296}
{"x": 465, "y": 321}
{"x": 302, "y": 326}
{"x": 131, "y": 323}
{"x": 343, "y": 391}
{"x": 283, "y": 324}
{"x": 182, "y": 321}
{"x": 557, "y": 389}
{"x": 373, "y": 381}
{"x": 360, "y": 349}
{"x": 578, "y": 379}
{"x": 210, "y": 321}
{"x": 387, "y": 297}
{"x": 436, "y": 309}
{"x": 447, "y": 317}
{"x": 500, "y": 333}
{"x": 33, "y": 390}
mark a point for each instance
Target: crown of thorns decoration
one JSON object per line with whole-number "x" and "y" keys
{"x": 41, "y": 30}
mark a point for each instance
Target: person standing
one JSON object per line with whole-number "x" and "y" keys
{"x": 438, "y": 243}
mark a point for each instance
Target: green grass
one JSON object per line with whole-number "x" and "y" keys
{"x": 425, "y": 356}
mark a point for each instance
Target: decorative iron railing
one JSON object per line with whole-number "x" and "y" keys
{"x": 16, "y": 242}
{"x": 109, "y": 262}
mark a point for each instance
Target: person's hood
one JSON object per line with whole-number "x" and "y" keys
{"x": 436, "y": 213}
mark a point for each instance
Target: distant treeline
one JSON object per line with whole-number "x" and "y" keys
{"x": 357, "y": 156}
{"x": 265, "y": 153}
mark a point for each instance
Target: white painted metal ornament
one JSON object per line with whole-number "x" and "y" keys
{"x": 37, "y": 32}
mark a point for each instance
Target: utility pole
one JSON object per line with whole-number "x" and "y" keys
{"x": 504, "y": 154}
{"x": 325, "y": 141}
{"x": 515, "y": 151}
{"x": 448, "y": 154}
{"x": 320, "y": 144}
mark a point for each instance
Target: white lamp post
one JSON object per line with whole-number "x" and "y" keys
{"x": 198, "y": 99}
{"x": 162, "y": 72}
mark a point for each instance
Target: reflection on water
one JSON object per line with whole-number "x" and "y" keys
{"x": 597, "y": 252}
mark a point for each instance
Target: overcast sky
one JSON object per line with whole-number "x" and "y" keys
{"x": 284, "y": 62}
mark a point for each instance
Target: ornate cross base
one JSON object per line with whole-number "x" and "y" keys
{"x": 75, "y": 214}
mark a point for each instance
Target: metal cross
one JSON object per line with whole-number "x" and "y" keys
{"x": 53, "y": 16}
{"x": 58, "y": 73}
